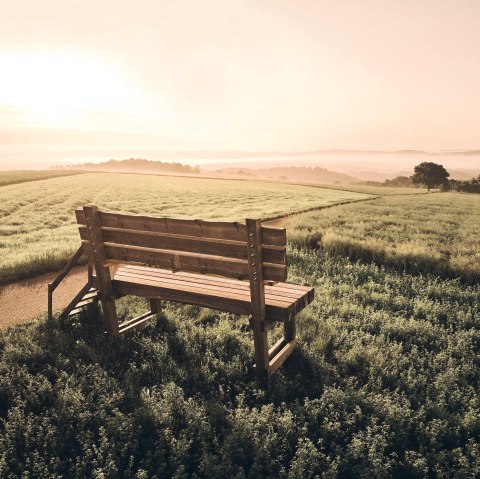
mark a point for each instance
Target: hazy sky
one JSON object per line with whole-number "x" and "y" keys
{"x": 252, "y": 75}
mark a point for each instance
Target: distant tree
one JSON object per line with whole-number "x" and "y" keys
{"x": 471, "y": 186}
{"x": 430, "y": 174}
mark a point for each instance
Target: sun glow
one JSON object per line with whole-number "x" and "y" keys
{"x": 62, "y": 89}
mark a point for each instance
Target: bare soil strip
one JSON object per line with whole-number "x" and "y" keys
{"x": 26, "y": 300}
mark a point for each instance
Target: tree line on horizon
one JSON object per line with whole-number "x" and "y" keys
{"x": 139, "y": 164}
{"x": 431, "y": 175}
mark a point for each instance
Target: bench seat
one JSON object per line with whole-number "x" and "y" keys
{"x": 282, "y": 300}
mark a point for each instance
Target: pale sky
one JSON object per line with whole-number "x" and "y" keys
{"x": 259, "y": 75}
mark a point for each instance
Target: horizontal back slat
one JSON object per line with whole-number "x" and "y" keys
{"x": 233, "y": 231}
{"x": 193, "y": 262}
{"x": 227, "y": 248}
{"x": 210, "y": 247}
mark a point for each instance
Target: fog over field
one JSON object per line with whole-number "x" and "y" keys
{"x": 361, "y": 165}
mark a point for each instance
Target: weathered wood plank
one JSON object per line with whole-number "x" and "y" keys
{"x": 274, "y": 236}
{"x": 288, "y": 288}
{"x": 134, "y": 324}
{"x": 294, "y": 303}
{"x": 217, "y": 247}
{"x": 281, "y": 356}
{"x": 194, "y": 262}
{"x": 232, "y": 305}
{"x": 204, "y": 229}
{"x": 214, "y": 290}
{"x": 275, "y": 349}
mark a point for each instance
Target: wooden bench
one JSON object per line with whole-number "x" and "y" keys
{"x": 234, "y": 267}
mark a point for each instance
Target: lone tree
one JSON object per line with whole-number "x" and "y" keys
{"x": 430, "y": 174}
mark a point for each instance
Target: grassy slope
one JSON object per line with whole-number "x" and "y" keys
{"x": 37, "y": 222}
{"x": 436, "y": 233}
{"x": 23, "y": 176}
{"x": 385, "y": 383}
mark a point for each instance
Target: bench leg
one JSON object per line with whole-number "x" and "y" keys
{"x": 155, "y": 306}
{"x": 110, "y": 313}
{"x": 260, "y": 341}
{"x": 290, "y": 330}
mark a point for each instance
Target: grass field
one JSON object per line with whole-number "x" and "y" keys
{"x": 436, "y": 233}
{"x": 385, "y": 382}
{"x": 23, "y": 176}
{"x": 37, "y": 221}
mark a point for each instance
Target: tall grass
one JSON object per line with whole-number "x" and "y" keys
{"x": 37, "y": 221}
{"x": 436, "y": 233}
{"x": 385, "y": 383}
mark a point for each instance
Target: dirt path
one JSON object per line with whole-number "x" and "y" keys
{"x": 26, "y": 300}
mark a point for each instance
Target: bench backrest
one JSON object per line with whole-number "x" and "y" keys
{"x": 209, "y": 247}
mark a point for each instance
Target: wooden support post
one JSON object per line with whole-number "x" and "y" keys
{"x": 155, "y": 306}
{"x": 50, "y": 303}
{"x": 290, "y": 329}
{"x": 90, "y": 270}
{"x": 257, "y": 298}
{"x": 103, "y": 272}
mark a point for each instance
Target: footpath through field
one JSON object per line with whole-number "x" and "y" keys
{"x": 26, "y": 300}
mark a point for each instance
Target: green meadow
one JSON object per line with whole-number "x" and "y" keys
{"x": 385, "y": 381}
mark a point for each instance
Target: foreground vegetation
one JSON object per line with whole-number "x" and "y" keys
{"x": 385, "y": 383}
{"x": 37, "y": 222}
{"x": 436, "y": 233}
{"x": 22, "y": 176}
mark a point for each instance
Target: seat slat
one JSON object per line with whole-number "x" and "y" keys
{"x": 199, "y": 299}
{"x": 210, "y": 281}
{"x": 188, "y": 291}
{"x": 284, "y": 286}
{"x": 219, "y": 292}
{"x": 218, "y": 289}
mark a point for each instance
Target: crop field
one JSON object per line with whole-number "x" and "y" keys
{"x": 37, "y": 221}
{"x": 435, "y": 233}
{"x": 23, "y": 176}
